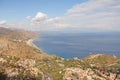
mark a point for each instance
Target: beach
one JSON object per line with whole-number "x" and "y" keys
{"x": 30, "y": 43}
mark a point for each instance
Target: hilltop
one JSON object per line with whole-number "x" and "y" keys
{"x": 21, "y": 60}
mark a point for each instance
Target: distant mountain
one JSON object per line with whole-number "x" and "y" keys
{"x": 17, "y": 34}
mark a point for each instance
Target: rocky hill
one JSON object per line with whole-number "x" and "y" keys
{"x": 100, "y": 59}
{"x": 21, "y": 61}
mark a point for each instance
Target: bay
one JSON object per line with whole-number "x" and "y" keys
{"x": 68, "y": 45}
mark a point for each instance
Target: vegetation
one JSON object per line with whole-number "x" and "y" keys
{"x": 20, "y": 61}
{"x": 20, "y": 35}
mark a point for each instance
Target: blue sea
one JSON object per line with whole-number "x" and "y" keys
{"x": 68, "y": 45}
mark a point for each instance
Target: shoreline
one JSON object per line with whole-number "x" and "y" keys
{"x": 30, "y": 43}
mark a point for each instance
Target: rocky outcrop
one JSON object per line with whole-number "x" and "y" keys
{"x": 87, "y": 74}
{"x": 16, "y": 68}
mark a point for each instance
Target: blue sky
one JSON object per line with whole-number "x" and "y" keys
{"x": 80, "y": 15}
{"x": 19, "y": 9}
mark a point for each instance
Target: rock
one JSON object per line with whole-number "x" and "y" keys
{"x": 2, "y": 60}
{"x": 25, "y": 63}
{"x": 87, "y": 74}
{"x": 75, "y": 58}
{"x": 12, "y": 72}
{"x": 61, "y": 65}
{"x": 73, "y": 73}
{"x": 46, "y": 77}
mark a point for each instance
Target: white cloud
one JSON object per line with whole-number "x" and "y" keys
{"x": 19, "y": 25}
{"x": 89, "y": 15}
{"x": 42, "y": 21}
{"x": 2, "y": 22}
{"x": 94, "y": 14}
{"x": 94, "y": 6}
{"x": 39, "y": 17}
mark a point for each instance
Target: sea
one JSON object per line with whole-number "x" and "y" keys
{"x": 78, "y": 44}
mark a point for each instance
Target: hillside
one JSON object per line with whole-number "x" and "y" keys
{"x": 17, "y": 34}
{"x": 14, "y": 43}
{"x": 100, "y": 59}
{"x": 21, "y": 61}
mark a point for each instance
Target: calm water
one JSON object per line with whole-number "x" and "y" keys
{"x": 69, "y": 45}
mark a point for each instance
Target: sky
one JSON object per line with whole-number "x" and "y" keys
{"x": 61, "y": 15}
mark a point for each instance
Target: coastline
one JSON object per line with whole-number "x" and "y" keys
{"x": 30, "y": 43}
